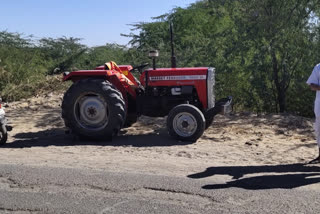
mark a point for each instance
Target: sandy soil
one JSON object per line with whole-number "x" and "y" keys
{"x": 39, "y": 139}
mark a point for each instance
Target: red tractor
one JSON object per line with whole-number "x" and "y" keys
{"x": 102, "y": 101}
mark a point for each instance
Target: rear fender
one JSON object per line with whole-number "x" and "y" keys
{"x": 84, "y": 74}
{"x": 119, "y": 80}
{"x": 123, "y": 84}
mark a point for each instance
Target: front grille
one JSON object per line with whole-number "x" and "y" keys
{"x": 210, "y": 87}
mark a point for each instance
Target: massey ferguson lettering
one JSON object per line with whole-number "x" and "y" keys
{"x": 190, "y": 77}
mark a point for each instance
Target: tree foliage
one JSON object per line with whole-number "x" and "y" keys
{"x": 263, "y": 51}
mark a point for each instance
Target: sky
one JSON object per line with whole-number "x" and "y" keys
{"x": 96, "y": 22}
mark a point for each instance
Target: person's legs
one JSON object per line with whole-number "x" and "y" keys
{"x": 317, "y": 132}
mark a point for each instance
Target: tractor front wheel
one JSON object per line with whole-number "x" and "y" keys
{"x": 3, "y": 135}
{"x": 186, "y": 122}
{"x": 94, "y": 109}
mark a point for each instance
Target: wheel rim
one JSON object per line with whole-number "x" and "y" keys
{"x": 185, "y": 124}
{"x": 91, "y": 112}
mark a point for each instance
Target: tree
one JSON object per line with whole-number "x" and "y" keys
{"x": 61, "y": 54}
{"x": 280, "y": 30}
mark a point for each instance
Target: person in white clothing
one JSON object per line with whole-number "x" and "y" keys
{"x": 314, "y": 83}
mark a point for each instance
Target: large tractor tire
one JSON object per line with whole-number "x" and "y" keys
{"x": 93, "y": 109}
{"x": 186, "y": 123}
{"x": 130, "y": 120}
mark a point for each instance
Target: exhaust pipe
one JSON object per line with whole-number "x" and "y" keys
{"x": 173, "y": 57}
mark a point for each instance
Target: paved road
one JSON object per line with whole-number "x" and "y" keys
{"x": 279, "y": 189}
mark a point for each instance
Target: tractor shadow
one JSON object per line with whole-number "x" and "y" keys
{"x": 147, "y": 132}
{"x": 58, "y": 137}
{"x": 287, "y": 176}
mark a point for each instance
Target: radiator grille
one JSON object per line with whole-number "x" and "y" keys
{"x": 210, "y": 87}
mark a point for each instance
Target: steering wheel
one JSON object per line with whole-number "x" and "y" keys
{"x": 139, "y": 67}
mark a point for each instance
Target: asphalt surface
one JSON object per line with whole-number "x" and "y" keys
{"x": 25, "y": 189}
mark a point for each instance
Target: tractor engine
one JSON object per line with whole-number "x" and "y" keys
{"x": 159, "y": 100}
{"x": 166, "y": 88}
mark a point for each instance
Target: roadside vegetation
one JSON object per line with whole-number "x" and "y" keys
{"x": 263, "y": 52}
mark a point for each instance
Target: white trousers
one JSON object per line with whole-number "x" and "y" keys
{"x": 317, "y": 130}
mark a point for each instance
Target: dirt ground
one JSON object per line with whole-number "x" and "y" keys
{"x": 39, "y": 139}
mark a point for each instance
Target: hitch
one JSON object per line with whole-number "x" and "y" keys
{"x": 222, "y": 106}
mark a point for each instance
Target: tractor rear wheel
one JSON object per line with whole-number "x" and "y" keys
{"x": 186, "y": 122}
{"x": 94, "y": 109}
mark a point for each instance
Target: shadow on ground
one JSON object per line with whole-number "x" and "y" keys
{"x": 282, "y": 176}
{"x": 57, "y": 137}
